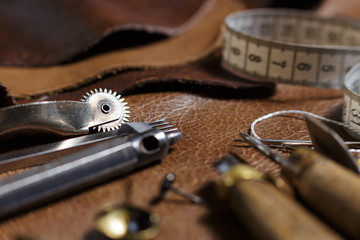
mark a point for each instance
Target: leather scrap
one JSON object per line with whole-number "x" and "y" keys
{"x": 40, "y": 32}
{"x": 5, "y": 98}
{"x": 204, "y": 77}
{"x": 194, "y": 44}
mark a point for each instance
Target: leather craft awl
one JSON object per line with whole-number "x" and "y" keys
{"x": 265, "y": 211}
{"x": 330, "y": 189}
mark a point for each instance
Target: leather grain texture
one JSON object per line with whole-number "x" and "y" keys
{"x": 209, "y": 125}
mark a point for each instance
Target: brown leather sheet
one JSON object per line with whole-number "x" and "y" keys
{"x": 40, "y": 32}
{"x": 210, "y": 107}
{"x": 209, "y": 125}
{"x": 195, "y": 43}
{"x": 205, "y": 77}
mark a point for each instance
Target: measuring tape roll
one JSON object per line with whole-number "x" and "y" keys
{"x": 291, "y": 46}
{"x": 351, "y": 107}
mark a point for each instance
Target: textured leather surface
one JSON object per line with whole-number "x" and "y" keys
{"x": 72, "y": 27}
{"x": 209, "y": 121}
{"x": 209, "y": 126}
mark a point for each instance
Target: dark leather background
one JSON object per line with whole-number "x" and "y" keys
{"x": 210, "y": 107}
{"x": 121, "y": 51}
{"x": 38, "y": 33}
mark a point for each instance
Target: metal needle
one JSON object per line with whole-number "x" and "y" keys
{"x": 167, "y": 185}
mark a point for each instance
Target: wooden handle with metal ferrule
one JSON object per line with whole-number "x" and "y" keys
{"x": 332, "y": 191}
{"x": 269, "y": 214}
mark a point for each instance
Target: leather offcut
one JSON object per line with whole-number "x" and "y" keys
{"x": 203, "y": 77}
{"x": 40, "y": 33}
{"x": 194, "y": 44}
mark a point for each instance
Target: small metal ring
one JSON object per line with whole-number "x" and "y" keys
{"x": 105, "y": 108}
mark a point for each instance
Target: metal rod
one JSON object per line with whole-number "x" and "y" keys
{"x": 82, "y": 169}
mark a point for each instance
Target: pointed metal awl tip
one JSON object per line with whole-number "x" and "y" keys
{"x": 264, "y": 149}
{"x": 257, "y": 144}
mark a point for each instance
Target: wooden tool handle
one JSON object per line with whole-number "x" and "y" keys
{"x": 334, "y": 193}
{"x": 269, "y": 214}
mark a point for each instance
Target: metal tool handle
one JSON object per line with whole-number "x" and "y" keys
{"x": 59, "y": 118}
{"x": 269, "y": 214}
{"x": 331, "y": 190}
{"x": 80, "y": 170}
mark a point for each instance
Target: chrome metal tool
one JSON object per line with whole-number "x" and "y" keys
{"x": 74, "y": 172}
{"x": 167, "y": 185}
{"x": 99, "y": 110}
{"x": 41, "y": 154}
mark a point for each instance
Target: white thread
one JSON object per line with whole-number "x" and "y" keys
{"x": 270, "y": 115}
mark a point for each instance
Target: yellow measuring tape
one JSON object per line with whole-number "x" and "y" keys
{"x": 296, "y": 47}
